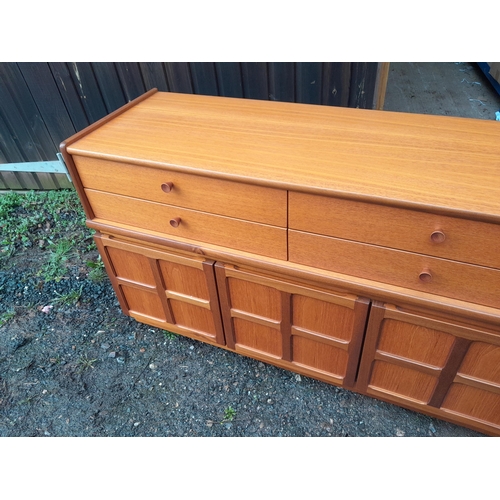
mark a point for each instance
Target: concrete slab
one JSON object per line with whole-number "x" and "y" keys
{"x": 453, "y": 89}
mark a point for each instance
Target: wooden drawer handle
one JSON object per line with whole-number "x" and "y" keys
{"x": 175, "y": 221}
{"x": 438, "y": 237}
{"x": 425, "y": 276}
{"x": 166, "y": 187}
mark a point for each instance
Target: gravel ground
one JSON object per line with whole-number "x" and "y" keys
{"x": 87, "y": 370}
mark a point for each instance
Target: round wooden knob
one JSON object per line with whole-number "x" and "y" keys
{"x": 175, "y": 221}
{"x": 166, "y": 187}
{"x": 438, "y": 237}
{"x": 425, "y": 276}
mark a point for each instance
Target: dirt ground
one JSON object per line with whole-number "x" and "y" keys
{"x": 82, "y": 368}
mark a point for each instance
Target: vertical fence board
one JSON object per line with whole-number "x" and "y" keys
{"x": 3, "y": 157}
{"x": 10, "y": 148}
{"x": 282, "y": 81}
{"x": 153, "y": 74}
{"x": 255, "y": 80}
{"x": 229, "y": 79}
{"x": 336, "y": 83}
{"x": 63, "y": 181}
{"x": 362, "y": 87}
{"x": 88, "y": 90}
{"x": 22, "y": 116}
{"x": 11, "y": 181}
{"x": 29, "y": 180}
{"x": 70, "y": 96}
{"x": 204, "y": 78}
{"x": 47, "y": 181}
{"x": 309, "y": 77}
{"x": 43, "y": 88}
{"x": 3, "y": 184}
{"x": 179, "y": 77}
{"x": 109, "y": 84}
{"x": 131, "y": 78}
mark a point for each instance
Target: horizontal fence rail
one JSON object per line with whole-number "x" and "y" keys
{"x": 41, "y": 104}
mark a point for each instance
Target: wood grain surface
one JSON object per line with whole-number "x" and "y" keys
{"x": 458, "y": 280}
{"x": 252, "y": 237}
{"x": 462, "y": 240}
{"x": 233, "y": 199}
{"x": 435, "y": 163}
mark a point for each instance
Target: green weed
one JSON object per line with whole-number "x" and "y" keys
{"x": 169, "y": 335}
{"x": 6, "y": 316}
{"x": 54, "y": 268}
{"x": 85, "y": 363}
{"x": 97, "y": 271}
{"x": 229, "y": 414}
{"x": 70, "y": 298}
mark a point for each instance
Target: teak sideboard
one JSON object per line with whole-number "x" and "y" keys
{"x": 358, "y": 247}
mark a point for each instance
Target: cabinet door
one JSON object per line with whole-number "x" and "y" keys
{"x": 164, "y": 289}
{"x": 308, "y": 330}
{"x": 439, "y": 366}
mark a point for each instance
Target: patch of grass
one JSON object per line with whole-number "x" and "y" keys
{"x": 38, "y": 217}
{"x": 84, "y": 363}
{"x": 70, "y": 298}
{"x": 54, "y": 268}
{"x": 229, "y": 414}
{"x": 97, "y": 271}
{"x": 169, "y": 335}
{"x": 6, "y": 317}
{"x": 97, "y": 275}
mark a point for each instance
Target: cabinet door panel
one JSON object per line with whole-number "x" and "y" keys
{"x": 476, "y": 404}
{"x": 313, "y": 331}
{"x": 186, "y": 280}
{"x": 257, "y": 337}
{"x": 166, "y": 289}
{"x": 145, "y": 303}
{"x": 403, "y": 382}
{"x": 482, "y": 362}
{"x": 318, "y": 356}
{"x": 193, "y": 318}
{"x": 324, "y": 318}
{"x": 131, "y": 266}
{"x": 437, "y": 365}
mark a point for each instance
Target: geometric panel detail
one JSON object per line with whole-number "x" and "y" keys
{"x": 143, "y": 302}
{"x": 401, "y": 381}
{"x": 474, "y": 403}
{"x": 258, "y": 337}
{"x": 322, "y": 317}
{"x": 482, "y": 362}
{"x": 319, "y": 356}
{"x": 131, "y": 266}
{"x": 193, "y": 318}
{"x": 415, "y": 342}
{"x": 255, "y": 298}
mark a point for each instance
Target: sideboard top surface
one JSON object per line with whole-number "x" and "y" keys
{"x": 426, "y": 162}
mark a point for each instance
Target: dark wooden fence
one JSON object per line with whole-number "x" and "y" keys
{"x": 42, "y": 104}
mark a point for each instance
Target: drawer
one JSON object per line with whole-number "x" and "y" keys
{"x": 457, "y": 280}
{"x": 438, "y": 235}
{"x": 233, "y": 199}
{"x": 241, "y": 235}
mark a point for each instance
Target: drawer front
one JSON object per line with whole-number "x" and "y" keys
{"x": 456, "y": 280}
{"x": 428, "y": 234}
{"x": 250, "y": 237}
{"x": 233, "y": 199}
